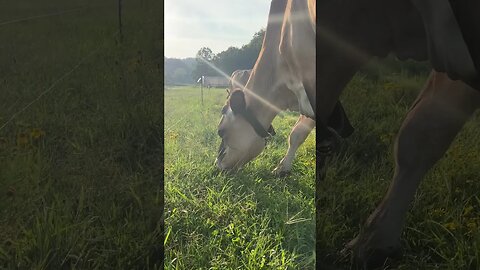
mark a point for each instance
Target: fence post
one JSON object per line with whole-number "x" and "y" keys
{"x": 120, "y": 20}
{"x": 203, "y": 80}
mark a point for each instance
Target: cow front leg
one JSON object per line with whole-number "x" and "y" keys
{"x": 299, "y": 134}
{"x": 436, "y": 117}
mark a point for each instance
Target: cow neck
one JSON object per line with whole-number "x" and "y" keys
{"x": 263, "y": 113}
{"x": 263, "y": 77}
{"x": 262, "y": 86}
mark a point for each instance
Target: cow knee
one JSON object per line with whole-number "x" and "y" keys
{"x": 301, "y": 130}
{"x": 295, "y": 136}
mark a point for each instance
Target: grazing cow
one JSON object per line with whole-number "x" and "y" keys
{"x": 273, "y": 86}
{"x": 348, "y": 34}
{"x": 446, "y": 33}
{"x": 299, "y": 133}
{"x": 238, "y": 79}
{"x": 285, "y": 68}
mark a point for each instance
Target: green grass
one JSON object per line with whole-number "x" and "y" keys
{"x": 442, "y": 226}
{"x": 80, "y": 169}
{"x": 241, "y": 221}
{"x": 250, "y": 220}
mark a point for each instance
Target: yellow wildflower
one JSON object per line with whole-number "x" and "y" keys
{"x": 452, "y": 226}
{"x": 467, "y": 210}
{"x": 386, "y": 138}
{"x": 173, "y": 135}
{"x": 438, "y": 212}
{"x": 22, "y": 139}
{"x": 37, "y": 133}
{"x": 390, "y": 86}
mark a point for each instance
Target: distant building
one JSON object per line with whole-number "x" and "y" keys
{"x": 213, "y": 81}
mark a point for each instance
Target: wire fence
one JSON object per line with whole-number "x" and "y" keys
{"x": 52, "y": 86}
{"x": 57, "y": 13}
{"x": 59, "y": 126}
{"x": 42, "y": 16}
{"x": 65, "y": 75}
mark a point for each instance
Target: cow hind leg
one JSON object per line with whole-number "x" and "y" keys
{"x": 431, "y": 125}
{"x": 299, "y": 134}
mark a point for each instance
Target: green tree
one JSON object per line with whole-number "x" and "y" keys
{"x": 252, "y": 49}
{"x": 240, "y": 58}
{"x": 180, "y": 76}
{"x": 204, "y": 56}
{"x": 229, "y": 60}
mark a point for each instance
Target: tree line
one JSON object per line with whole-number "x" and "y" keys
{"x": 187, "y": 71}
{"x": 229, "y": 60}
{"x": 207, "y": 63}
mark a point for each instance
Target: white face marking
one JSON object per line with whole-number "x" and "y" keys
{"x": 240, "y": 142}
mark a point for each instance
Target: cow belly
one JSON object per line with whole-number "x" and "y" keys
{"x": 298, "y": 65}
{"x": 466, "y": 13}
{"x": 304, "y": 105}
{"x": 452, "y": 29}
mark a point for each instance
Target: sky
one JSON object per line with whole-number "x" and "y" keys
{"x": 217, "y": 24}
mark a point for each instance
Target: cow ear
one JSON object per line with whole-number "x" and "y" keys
{"x": 237, "y": 101}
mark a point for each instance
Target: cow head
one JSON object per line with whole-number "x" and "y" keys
{"x": 243, "y": 138}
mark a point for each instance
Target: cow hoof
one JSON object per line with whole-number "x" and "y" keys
{"x": 368, "y": 257}
{"x": 329, "y": 145}
{"x": 280, "y": 171}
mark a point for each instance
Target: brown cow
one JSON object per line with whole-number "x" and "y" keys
{"x": 282, "y": 76}
{"x": 274, "y": 85}
{"x": 349, "y": 33}
{"x": 299, "y": 133}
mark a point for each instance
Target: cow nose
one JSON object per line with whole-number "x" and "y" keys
{"x": 221, "y": 132}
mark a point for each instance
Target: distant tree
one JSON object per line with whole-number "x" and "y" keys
{"x": 231, "y": 59}
{"x": 257, "y": 39}
{"x": 179, "y": 70}
{"x": 180, "y": 76}
{"x": 204, "y": 55}
{"x": 190, "y": 63}
{"x": 252, "y": 49}
{"x": 240, "y": 58}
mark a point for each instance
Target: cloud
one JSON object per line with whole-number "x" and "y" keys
{"x": 192, "y": 24}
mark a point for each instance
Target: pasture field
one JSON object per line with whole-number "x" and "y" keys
{"x": 252, "y": 220}
{"x": 80, "y": 135}
{"x": 248, "y": 220}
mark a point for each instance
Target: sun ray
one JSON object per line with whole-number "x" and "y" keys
{"x": 261, "y": 99}
{"x": 239, "y": 85}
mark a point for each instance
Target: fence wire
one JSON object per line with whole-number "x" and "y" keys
{"x": 52, "y": 14}
{"x": 55, "y": 83}
{"x": 42, "y": 16}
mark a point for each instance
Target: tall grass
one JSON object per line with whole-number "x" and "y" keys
{"x": 80, "y": 169}
{"x": 248, "y": 220}
{"x": 252, "y": 220}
